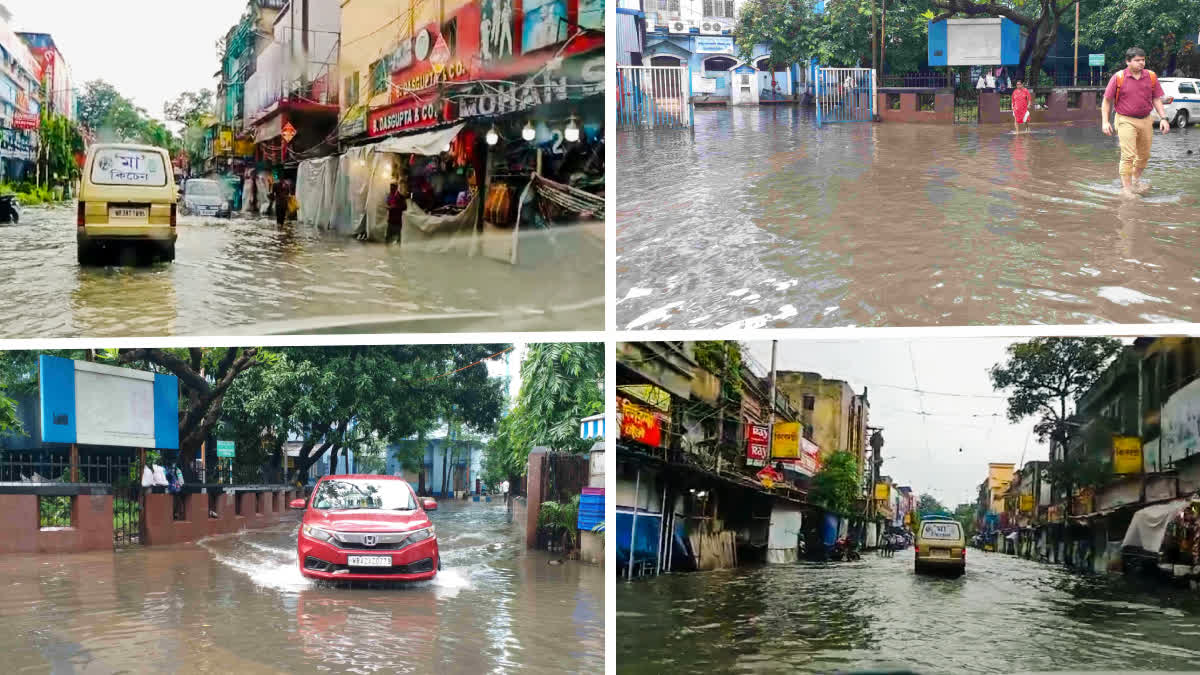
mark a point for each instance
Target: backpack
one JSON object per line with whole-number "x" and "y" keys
{"x": 1121, "y": 81}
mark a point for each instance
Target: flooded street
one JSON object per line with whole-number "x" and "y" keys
{"x": 760, "y": 219}
{"x": 245, "y": 276}
{"x": 1005, "y": 615}
{"x": 237, "y": 604}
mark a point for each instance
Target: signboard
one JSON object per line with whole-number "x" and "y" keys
{"x": 756, "y": 444}
{"x": 975, "y": 42}
{"x": 712, "y": 44}
{"x": 882, "y": 491}
{"x": 639, "y": 423}
{"x": 545, "y": 24}
{"x": 95, "y": 404}
{"x": 24, "y": 121}
{"x": 786, "y": 443}
{"x": 744, "y": 70}
{"x": 18, "y": 144}
{"x": 806, "y": 464}
{"x": 124, "y": 166}
{"x": 585, "y": 78}
{"x": 940, "y": 529}
{"x": 411, "y": 114}
{"x": 288, "y": 132}
{"x": 1127, "y": 454}
{"x": 703, "y": 85}
{"x": 769, "y": 477}
{"x": 225, "y": 449}
{"x": 1095, "y": 59}
{"x": 1026, "y": 503}
{"x": 1180, "y": 426}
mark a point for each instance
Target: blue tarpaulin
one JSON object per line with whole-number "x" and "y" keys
{"x": 591, "y": 509}
{"x": 646, "y": 540}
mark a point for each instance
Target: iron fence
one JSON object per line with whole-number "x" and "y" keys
{"x": 915, "y": 80}
{"x": 54, "y": 466}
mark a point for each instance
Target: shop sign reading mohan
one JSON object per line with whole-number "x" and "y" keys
{"x": 406, "y": 115}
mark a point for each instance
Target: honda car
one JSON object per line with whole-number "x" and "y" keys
{"x": 366, "y": 528}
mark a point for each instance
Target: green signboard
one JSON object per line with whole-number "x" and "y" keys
{"x": 224, "y": 448}
{"x": 1095, "y": 59}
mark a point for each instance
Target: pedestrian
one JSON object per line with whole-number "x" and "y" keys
{"x": 1021, "y": 100}
{"x": 396, "y": 204}
{"x": 1133, "y": 93}
{"x": 281, "y": 195}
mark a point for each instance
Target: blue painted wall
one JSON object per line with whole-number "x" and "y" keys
{"x": 57, "y": 399}
{"x": 434, "y": 449}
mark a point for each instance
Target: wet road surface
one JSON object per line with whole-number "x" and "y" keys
{"x": 238, "y": 604}
{"x": 1005, "y": 615}
{"x": 762, "y": 220}
{"x": 246, "y": 276}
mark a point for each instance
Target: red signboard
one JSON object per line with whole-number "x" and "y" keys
{"x": 288, "y": 132}
{"x": 24, "y": 121}
{"x": 411, "y": 114}
{"x": 756, "y": 444}
{"x": 639, "y": 423}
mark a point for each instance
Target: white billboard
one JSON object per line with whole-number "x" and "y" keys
{"x": 974, "y": 42}
{"x": 115, "y": 406}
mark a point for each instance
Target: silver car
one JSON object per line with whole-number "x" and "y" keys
{"x": 204, "y": 197}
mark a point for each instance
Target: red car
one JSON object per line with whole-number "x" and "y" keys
{"x": 366, "y": 528}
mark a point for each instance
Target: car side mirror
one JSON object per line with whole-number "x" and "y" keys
{"x": 296, "y": 504}
{"x": 429, "y": 504}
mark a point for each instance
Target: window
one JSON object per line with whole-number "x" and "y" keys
{"x": 710, "y": 8}
{"x": 669, "y": 7}
{"x": 55, "y": 511}
{"x": 810, "y": 402}
{"x": 1073, "y": 99}
{"x": 1186, "y": 88}
{"x": 893, "y": 101}
{"x": 379, "y": 77}
{"x": 352, "y": 494}
{"x": 352, "y": 89}
{"x": 123, "y": 166}
{"x": 729, "y": 9}
{"x": 925, "y": 102}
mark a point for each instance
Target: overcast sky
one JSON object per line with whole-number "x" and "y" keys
{"x": 150, "y": 50}
{"x": 923, "y": 450}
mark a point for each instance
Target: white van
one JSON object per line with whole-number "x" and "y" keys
{"x": 127, "y": 200}
{"x": 1181, "y": 100}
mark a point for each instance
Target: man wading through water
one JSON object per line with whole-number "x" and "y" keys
{"x": 1133, "y": 93}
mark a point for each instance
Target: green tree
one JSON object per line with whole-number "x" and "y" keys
{"x": 190, "y": 108}
{"x": 561, "y": 383}
{"x": 114, "y": 118}
{"x": 1044, "y": 377}
{"x": 928, "y": 504}
{"x": 60, "y": 141}
{"x": 965, "y": 515}
{"x": 1041, "y": 17}
{"x": 836, "y": 486}
{"x": 1166, "y": 30}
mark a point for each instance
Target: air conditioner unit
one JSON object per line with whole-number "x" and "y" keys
{"x": 680, "y": 26}
{"x": 711, "y": 28}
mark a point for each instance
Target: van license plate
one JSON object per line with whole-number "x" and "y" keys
{"x": 369, "y": 561}
{"x": 126, "y": 213}
{"x": 940, "y": 553}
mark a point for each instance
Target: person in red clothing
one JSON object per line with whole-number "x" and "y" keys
{"x": 1133, "y": 93}
{"x": 1021, "y": 99}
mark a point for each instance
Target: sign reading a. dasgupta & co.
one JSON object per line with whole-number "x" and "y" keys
{"x": 407, "y": 115}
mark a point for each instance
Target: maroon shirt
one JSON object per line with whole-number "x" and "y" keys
{"x": 1137, "y": 94}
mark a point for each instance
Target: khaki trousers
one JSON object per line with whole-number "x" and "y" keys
{"x": 1136, "y": 136}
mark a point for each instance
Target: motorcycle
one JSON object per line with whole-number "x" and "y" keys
{"x": 845, "y": 551}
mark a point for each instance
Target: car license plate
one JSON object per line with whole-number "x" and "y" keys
{"x": 369, "y": 561}
{"x": 940, "y": 553}
{"x": 127, "y": 213}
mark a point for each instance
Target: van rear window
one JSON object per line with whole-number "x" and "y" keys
{"x": 940, "y": 530}
{"x": 122, "y": 166}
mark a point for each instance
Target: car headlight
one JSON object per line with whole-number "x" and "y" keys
{"x": 317, "y": 533}
{"x": 224, "y": 206}
{"x": 417, "y": 536}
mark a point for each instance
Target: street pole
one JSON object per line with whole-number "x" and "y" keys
{"x": 771, "y": 406}
{"x": 874, "y": 38}
{"x": 1076, "y": 43}
{"x": 883, "y": 39}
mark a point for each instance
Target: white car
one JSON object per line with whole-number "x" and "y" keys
{"x": 1181, "y": 100}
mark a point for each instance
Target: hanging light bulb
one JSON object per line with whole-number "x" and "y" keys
{"x": 447, "y": 148}
{"x": 492, "y": 137}
{"x": 571, "y": 133}
{"x": 528, "y": 132}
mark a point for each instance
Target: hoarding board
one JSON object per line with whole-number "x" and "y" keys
{"x": 95, "y": 404}
{"x": 786, "y": 443}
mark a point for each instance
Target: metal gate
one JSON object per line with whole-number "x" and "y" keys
{"x": 653, "y": 97}
{"x": 845, "y": 95}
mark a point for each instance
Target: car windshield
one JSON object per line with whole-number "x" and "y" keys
{"x": 206, "y": 188}
{"x": 344, "y": 495}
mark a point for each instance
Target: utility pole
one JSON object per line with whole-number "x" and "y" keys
{"x": 883, "y": 39}
{"x": 874, "y": 41}
{"x": 771, "y": 405}
{"x": 1076, "y": 43}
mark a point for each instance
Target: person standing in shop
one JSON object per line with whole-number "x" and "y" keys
{"x": 396, "y": 204}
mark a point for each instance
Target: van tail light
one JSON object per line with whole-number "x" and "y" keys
{"x": 79, "y": 210}
{"x": 172, "y": 215}
{"x": 964, "y": 553}
{"x": 916, "y": 549}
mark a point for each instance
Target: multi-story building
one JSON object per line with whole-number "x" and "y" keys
{"x": 53, "y": 73}
{"x": 239, "y": 52}
{"x": 832, "y": 415}
{"x": 21, "y": 95}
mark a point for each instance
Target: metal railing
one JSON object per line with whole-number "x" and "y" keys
{"x": 915, "y": 81}
{"x": 652, "y": 97}
{"x": 54, "y": 466}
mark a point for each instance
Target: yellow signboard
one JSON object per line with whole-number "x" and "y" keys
{"x": 1127, "y": 454}
{"x": 1026, "y": 503}
{"x": 786, "y": 443}
{"x": 882, "y": 491}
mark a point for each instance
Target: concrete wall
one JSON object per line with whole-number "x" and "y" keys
{"x": 533, "y": 498}
{"x": 591, "y": 547}
{"x": 942, "y": 113}
{"x": 92, "y": 530}
{"x": 162, "y": 528}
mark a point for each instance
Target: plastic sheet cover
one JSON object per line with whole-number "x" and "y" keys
{"x": 315, "y": 184}
{"x": 440, "y": 234}
{"x": 1149, "y": 525}
{"x": 350, "y": 191}
{"x": 377, "y": 184}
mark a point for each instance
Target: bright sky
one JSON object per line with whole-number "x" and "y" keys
{"x": 509, "y": 364}
{"x": 150, "y": 50}
{"x": 923, "y": 450}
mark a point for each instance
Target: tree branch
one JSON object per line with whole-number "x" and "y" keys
{"x": 971, "y": 8}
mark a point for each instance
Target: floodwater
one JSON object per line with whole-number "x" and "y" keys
{"x": 760, "y": 219}
{"x": 1005, "y": 615}
{"x": 246, "y": 276}
{"x": 237, "y": 604}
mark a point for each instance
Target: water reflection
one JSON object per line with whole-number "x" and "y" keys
{"x": 759, "y": 219}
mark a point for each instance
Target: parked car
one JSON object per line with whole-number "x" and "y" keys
{"x": 127, "y": 201}
{"x": 1181, "y": 100}
{"x": 204, "y": 197}
{"x": 940, "y": 547}
{"x": 366, "y": 528}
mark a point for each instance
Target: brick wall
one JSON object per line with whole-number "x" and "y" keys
{"x": 943, "y": 107}
{"x": 162, "y": 528}
{"x": 92, "y": 528}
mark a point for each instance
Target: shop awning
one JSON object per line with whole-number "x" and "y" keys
{"x": 426, "y": 143}
{"x": 1149, "y": 525}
